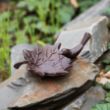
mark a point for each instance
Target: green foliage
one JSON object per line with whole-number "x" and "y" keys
{"x": 107, "y": 98}
{"x": 33, "y": 21}
{"x": 107, "y": 86}
{"x": 108, "y": 46}
{"x": 102, "y": 106}
{"x": 84, "y": 4}
{"x": 47, "y": 16}
{"x": 107, "y": 68}
{"x": 106, "y": 64}
{"x": 107, "y": 11}
{"x": 106, "y": 61}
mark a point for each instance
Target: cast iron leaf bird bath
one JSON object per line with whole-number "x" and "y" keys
{"x": 51, "y": 61}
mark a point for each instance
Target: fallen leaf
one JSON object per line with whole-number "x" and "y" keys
{"x": 101, "y": 73}
{"x": 74, "y": 3}
{"x": 107, "y": 75}
{"x": 102, "y": 80}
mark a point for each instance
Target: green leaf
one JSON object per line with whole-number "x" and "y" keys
{"x": 106, "y": 61}
{"x": 104, "y": 106}
{"x": 107, "y": 86}
{"x": 107, "y": 68}
{"x": 40, "y": 43}
{"x": 107, "y": 98}
{"x": 22, "y": 4}
{"x": 108, "y": 43}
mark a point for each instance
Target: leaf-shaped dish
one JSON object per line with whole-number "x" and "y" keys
{"x": 50, "y": 60}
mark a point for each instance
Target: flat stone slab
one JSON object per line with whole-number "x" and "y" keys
{"x": 97, "y": 27}
{"x": 26, "y": 91}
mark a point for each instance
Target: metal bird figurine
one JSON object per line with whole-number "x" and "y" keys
{"x": 51, "y": 61}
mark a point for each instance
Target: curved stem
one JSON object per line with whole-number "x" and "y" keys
{"x": 17, "y": 65}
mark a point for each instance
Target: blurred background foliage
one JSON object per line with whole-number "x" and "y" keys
{"x": 36, "y": 22}
{"x": 33, "y": 21}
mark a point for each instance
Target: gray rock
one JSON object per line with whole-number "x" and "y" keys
{"x": 9, "y": 91}
{"x": 87, "y": 100}
{"x": 97, "y": 27}
{"x": 93, "y": 96}
{"x": 94, "y": 11}
{"x": 24, "y": 89}
{"x": 77, "y": 104}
